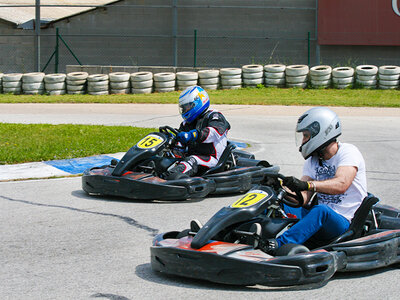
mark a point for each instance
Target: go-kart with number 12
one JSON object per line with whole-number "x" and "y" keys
{"x": 138, "y": 174}
{"x": 224, "y": 251}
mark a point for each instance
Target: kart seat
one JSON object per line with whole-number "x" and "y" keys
{"x": 220, "y": 167}
{"x": 357, "y": 224}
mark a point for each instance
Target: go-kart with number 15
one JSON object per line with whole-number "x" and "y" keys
{"x": 224, "y": 251}
{"x": 138, "y": 174}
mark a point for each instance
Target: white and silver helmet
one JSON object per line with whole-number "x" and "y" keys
{"x": 316, "y": 129}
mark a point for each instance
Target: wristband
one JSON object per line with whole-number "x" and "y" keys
{"x": 311, "y": 185}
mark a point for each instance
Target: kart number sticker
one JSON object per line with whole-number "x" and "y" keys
{"x": 149, "y": 141}
{"x": 250, "y": 199}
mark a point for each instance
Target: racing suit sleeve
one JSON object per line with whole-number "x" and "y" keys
{"x": 215, "y": 129}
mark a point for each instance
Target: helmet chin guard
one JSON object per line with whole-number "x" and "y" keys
{"x": 317, "y": 128}
{"x": 193, "y": 101}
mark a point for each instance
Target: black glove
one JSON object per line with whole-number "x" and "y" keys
{"x": 294, "y": 184}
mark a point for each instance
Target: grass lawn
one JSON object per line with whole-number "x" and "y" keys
{"x": 21, "y": 143}
{"x": 246, "y": 96}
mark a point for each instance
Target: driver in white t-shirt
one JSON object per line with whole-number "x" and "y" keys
{"x": 333, "y": 171}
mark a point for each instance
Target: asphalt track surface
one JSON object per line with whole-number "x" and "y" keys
{"x": 59, "y": 243}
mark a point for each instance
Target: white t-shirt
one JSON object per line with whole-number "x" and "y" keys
{"x": 348, "y": 155}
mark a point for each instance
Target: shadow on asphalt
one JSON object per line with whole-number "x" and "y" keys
{"x": 83, "y": 195}
{"x": 145, "y": 272}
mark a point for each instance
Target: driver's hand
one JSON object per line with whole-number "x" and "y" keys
{"x": 294, "y": 184}
{"x": 186, "y": 137}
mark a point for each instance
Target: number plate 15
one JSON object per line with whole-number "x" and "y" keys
{"x": 149, "y": 141}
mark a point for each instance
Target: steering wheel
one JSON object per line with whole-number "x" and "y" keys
{"x": 167, "y": 130}
{"x": 290, "y": 199}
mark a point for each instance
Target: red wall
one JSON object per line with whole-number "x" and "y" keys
{"x": 359, "y": 22}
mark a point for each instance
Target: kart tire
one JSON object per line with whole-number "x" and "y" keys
{"x": 230, "y": 71}
{"x": 56, "y": 92}
{"x": 166, "y": 76}
{"x": 389, "y": 77}
{"x": 254, "y": 81}
{"x": 274, "y": 75}
{"x": 76, "y": 82}
{"x": 211, "y": 80}
{"x": 254, "y": 75}
{"x": 141, "y": 76}
{"x": 54, "y": 78}
{"x": 33, "y": 77}
{"x": 77, "y": 76}
{"x": 187, "y": 76}
{"x": 12, "y": 84}
{"x": 252, "y": 69}
{"x": 120, "y": 91}
{"x": 389, "y": 70}
{"x": 119, "y": 85}
{"x": 186, "y": 83}
{"x": 274, "y": 68}
{"x": 320, "y": 70}
{"x": 97, "y": 77}
{"x": 297, "y": 70}
{"x": 142, "y": 84}
{"x": 296, "y": 79}
{"x": 291, "y": 249}
{"x": 320, "y": 78}
{"x": 54, "y": 86}
{"x": 208, "y": 73}
{"x": 341, "y": 72}
{"x": 366, "y": 70}
{"x": 119, "y": 76}
{"x": 12, "y": 77}
{"x": 210, "y": 87}
{"x": 237, "y": 81}
{"x": 142, "y": 91}
{"x": 301, "y": 85}
{"x": 164, "y": 84}
{"x": 276, "y": 81}
{"x": 75, "y": 88}
{"x": 231, "y": 87}
{"x": 389, "y": 82}
{"x": 236, "y": 76}
{"x": 32, "y": 86}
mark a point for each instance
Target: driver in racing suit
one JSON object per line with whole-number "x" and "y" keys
{"x": 203, "y": 134}
{"x": 333, "y": 171}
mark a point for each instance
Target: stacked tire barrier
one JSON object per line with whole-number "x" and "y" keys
{"x": 120, "y": 83}
{"x": 12, "y": 83}
{"x": 164, "y": 82}
{"x": 320, "y": 76}
{"x": 97, "y": 84}
{"x": 54, "y": 84}
{"x": 253, "y": 75}
{"x": 32, "y": 83}
{"x": 231, "y": 78}
{"x": 270, "y": 75}
{"x": 389, "y": 77}
{"x": 209, "y": 79}
{"x": 275, "y": 75}
{"x": 141, "y": 82}
{"x": 297, "y": 76}
{"x": 342, "y": 77}
{"x": 186, "y": 79}
{"x": 76, "y": 82}
{"x": 366, "y": 76}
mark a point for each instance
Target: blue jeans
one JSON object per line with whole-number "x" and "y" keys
{"x": 319, "y": 221}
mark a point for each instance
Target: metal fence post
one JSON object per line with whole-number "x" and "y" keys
{"x": 195, "y": 49}
{"x": 37, "y": 35}
{"x": 174, "y": 31}
{"x": 56, "y": 53}
{"x": 308, "y": 48}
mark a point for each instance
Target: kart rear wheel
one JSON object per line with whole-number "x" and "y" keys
{"x": 291, "y": 249}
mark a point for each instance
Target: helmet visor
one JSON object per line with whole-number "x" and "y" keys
{"x": 302, "y": 137}
{"x": 184, "y": 108}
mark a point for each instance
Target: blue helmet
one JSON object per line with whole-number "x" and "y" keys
{"x": 193, "y": 102}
